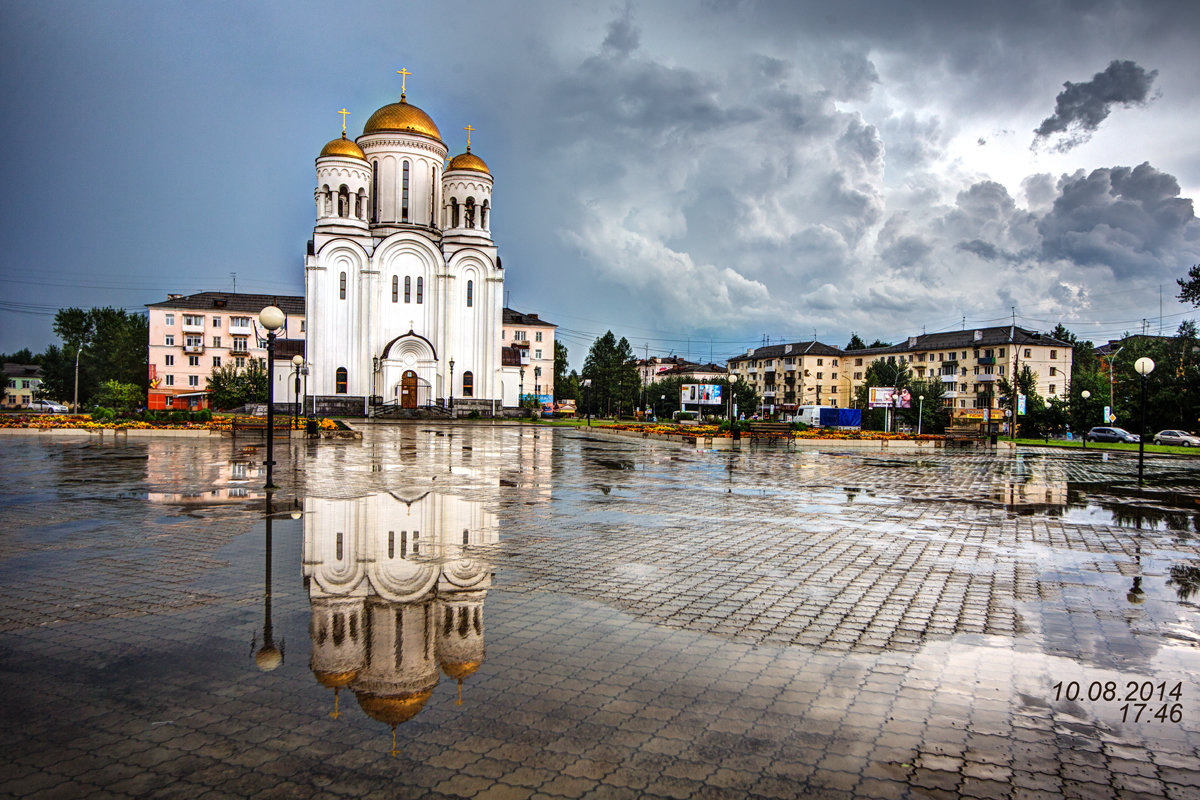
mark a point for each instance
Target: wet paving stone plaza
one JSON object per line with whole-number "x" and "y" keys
{"x": 457, "y": 611}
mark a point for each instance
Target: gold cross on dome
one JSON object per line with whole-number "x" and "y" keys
{"x": 403, "y": 73}
{"x": 344, "y": 113}
{"x": 468, "y": 129}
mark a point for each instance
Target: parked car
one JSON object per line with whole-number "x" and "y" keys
{"x": 1180, "y": 438}
{"x": 1112, "y": 435}
{"x": 46, "y": 407}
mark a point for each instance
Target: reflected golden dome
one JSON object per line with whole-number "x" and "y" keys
{"x": 461, "y": 669}
{"x": 402, "y": 117}
{"x": 342, "y": 147}
{"x": 393, "y": 710}
{"x": 334, "y": 680}
{"x": 469, "y": 160}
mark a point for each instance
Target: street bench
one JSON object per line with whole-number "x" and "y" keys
{"x": 771, "y": 432}
{"x": 258, "y": 425}
{"x": 966, "y": 435}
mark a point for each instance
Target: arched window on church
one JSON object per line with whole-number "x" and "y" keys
{"x": 343, "y": 201}
{"x": 407, "y": 289}
{"x": 395, "y": 288}
{"x": 326, "y": 202}
{"x": 453, "y": 213}
{"x": 432, "y": 195}
{"x": 341, "y": 378}
{"x": 470, "y": 293}
{"x": 420, "y": 289}
{"x": 342, "y": 286}
{"x": 469, "y": 212}
{"x": 404, "y": 193}
{"x": 375, "y": 192}
{"x": 483, "y": 212}
{"x": 468, "y": 389}
{"x": 360, "y": 205}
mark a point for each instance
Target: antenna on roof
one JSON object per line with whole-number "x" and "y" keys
{"x": 234, "y": 276}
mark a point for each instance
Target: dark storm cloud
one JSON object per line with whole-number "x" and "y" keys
{"x": 1081, "y": 107}
{"x": 1131, "y": 220}
{"x": 623, "y": 36}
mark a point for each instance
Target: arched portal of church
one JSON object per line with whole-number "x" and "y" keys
{"x": 408, "y": 389}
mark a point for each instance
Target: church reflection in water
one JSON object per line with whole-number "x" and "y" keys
{"x": 397, "y": 587}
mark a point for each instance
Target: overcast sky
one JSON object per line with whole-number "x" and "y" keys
{"x": 689, "y": 175}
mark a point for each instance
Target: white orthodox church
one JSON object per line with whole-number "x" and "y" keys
{"x": 403, "y": 286}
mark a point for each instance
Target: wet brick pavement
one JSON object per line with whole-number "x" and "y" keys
{"x": 622, "y": 620}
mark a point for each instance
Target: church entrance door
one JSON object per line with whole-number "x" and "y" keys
{"x": 408, "y": 389}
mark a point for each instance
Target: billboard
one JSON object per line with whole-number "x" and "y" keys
{"x": 705, "y": 394}
{"x": 889, "y": 397}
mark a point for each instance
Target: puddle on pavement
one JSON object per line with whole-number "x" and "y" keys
{"x": 539, "y": 620}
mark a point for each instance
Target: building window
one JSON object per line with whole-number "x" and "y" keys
{"x": 519, "y": 336}
{"x": 216, "y": 361}
{"x": 820, "y": 375}
{"x": 468, "y": 389}
{"x": 537, "y": 353}
{"x": 193, "y": 361}
{"x": 340, "y": 380}
{"x": 342, "y": 286}
{"x": 170, "y": 402}
{"x": 193, "y": 319}
{"x": 170, "y": 361}
{"x": 1053, "y": 371}
{"x": 1028, "y": 353}
{"x": 193, "y": 380}
{"x": 395, "y": 288}
{"x": 404, "y": 193}
{"x": 858, "y": 376}
{"x": 169, "y": 340}
{"x": 1053, "y": 389}
{"x": 216, "y": 322}
{"x": 193, "y": 341}
{"x": 169, "y": 320}
{"x": 169, "y": 380}
{"x": 239, "y": 362}
{"x": 216, "y": 341}
{"x": 858, "y": 362}
{"x": 407, "y": 289}
{"x": 420, "y": 289}
{"x": 470, "y": 293}
{"x": 537, "y": 336}
{"x": 1054, "y": 354}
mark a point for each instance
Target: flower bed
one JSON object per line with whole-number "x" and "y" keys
{"x": 714, "y": 431}
{"x": 85, "y": 422}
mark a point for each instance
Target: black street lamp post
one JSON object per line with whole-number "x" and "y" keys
{"x": 297, "y": 363}
{"x": 1144, "y": 366}
{"x": 271, "y": 318}
{"x": 452, "y": 385}
{"x": 1084, "y": 395}
{"x": 587, "y": 396}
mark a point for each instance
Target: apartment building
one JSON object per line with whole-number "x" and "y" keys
{"x": 23, "y": 382}
{"x": 533, "y": 340}
{"x": 191, "y": 335}
{"x": 969, "y": 363}
{"x": 797, "y": 374}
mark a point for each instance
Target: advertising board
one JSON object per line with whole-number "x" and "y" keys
{"x": 705, "y": 394}
{"x": 889, "y": 397}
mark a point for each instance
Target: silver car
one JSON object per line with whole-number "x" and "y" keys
{"x": 46, "y": 407}
{"x": 1180, "y": 438}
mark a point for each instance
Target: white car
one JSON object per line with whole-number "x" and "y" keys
{"x": 1181, "y": 438}
{"x": 46, "y": 407}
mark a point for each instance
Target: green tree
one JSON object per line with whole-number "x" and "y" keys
{"x": 113, "y": 344}
{"x": 568, "y": 388}
{"x": 1189, "y": 287}
{"x": 855, "y": 343}
{"x": 880, "y": 343}
{"x": 612, "y": 369}
{"x": 560, "y": 370}
{"x": 229, "y": 387}
{"x": 119, "y": 396}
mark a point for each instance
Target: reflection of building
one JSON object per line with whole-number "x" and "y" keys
{"x": 173, "y": 463}
{"x": 397, "y": 593}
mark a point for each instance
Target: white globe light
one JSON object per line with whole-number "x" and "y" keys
{"x": 298, "y": 360}
{"x": 1085, "y": 394}
{"x": 1144, "y": 366}
{"x": 271, "y": 318}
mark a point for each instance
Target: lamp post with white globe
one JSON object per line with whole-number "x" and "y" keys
{"x": 1085, "y": 394}
{"x": 1143, "y": 366}
{"x": 271, "y": 318}
{"x": 920, "y": 411}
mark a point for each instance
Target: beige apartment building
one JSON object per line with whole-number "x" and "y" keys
{"x": 192, "y": 335}
{"x": 970, "y": 363}
{"x": 791, "y": 375}
{"x": 532, "y": 341}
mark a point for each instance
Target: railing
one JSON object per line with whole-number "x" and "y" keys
{"x": 193, "y": 348}
{"x": 985, "y": 378}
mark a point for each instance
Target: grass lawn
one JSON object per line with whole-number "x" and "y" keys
{"x": 1078, "y": 444}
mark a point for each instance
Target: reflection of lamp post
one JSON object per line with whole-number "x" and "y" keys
{"x": 452, "y": 384}
{"x": 587, "y": 395}
{"x": 1085, "y": 394}
{"x": 920, "y": 412}
{"x": 1143, "y": 366}
{"x": 272, "y": 319}
{"x": 297, "y": 363}
{"x": 269, "y": 656}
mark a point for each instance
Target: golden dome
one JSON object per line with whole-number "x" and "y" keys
{"x": 393, "y": 710}
{"x": 334, "y": 680}
{"x": 461, "y": 669}
{"x": 469, "y": 160}
{"x": 342, "y": 147}
{"x": 402, "y": 117}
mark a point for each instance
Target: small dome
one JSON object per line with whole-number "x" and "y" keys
{"x": 469, "y": 160}
{"x": 402, "y": 117}
{"x": 342, "y": 147}
{"x": 334, "y": 680}
{"x": 461, "y": 669}
{"x": 393, "y": 710}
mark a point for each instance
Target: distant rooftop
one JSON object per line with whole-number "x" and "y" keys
{"x": 228, "y": 301}
{"x": 517, "y": 318}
